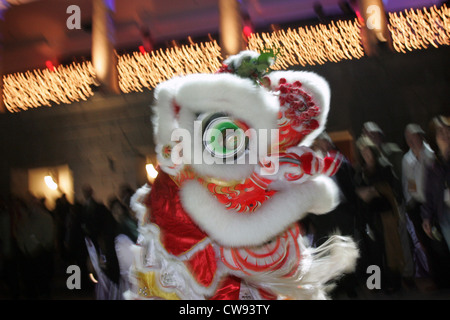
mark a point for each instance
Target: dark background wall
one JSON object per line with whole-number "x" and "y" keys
{"x": 105, "y": 140}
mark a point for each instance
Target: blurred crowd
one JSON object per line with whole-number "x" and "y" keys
{"x": 88, "y": 234}
{"x": 394, "y": 203}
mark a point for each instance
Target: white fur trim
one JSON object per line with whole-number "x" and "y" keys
{"x": 209, "y": 93}
{"x": 198, "y": 93}
{"x": 327, "y": 263}
{"x": 231, "y": 94}
{"x": 230, "y": 228}
{"x": 163, "y": 118}
{"x": 236, "y": 60}
{"x": 238, "y": 97}
{"x": 151, "y": 256}
{"x": 137, "y": 202}
{"x": 318, "y": 270}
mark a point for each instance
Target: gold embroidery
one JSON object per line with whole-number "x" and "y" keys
{"x": 148, "y": 287}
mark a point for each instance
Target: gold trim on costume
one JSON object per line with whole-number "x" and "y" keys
{"x": 148, "y": 287}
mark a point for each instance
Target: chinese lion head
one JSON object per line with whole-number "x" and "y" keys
{"x": 236, "y": 175}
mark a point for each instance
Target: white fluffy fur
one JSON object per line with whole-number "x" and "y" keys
{"x": 318, "y": 269}
{"x": 241, "y": 98}
{"x": 163, "y": 118}
{"x": 329, "y": 261}
{"x": 200, "y": 93}
{"x": 230, "y": 228}
{"x": 137, "y": 203}
{"x": 231, "y": 94}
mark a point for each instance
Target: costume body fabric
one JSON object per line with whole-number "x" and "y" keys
{"x": 236, "y": 176}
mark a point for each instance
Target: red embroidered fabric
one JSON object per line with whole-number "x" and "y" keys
{"x": 298, "y": 114}
{"x": 203, "y": 266}
{"x": 228, "y": 290}
{"x": 178, "y": 232}
{"x": 243, "y": 197}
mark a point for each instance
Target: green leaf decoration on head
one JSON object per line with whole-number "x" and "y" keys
{"x": 255, "y": 68}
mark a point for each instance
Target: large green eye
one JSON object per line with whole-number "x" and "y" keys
{"x": 223, "y": 137}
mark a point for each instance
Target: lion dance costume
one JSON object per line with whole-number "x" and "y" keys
{"x": 217, "y": 225}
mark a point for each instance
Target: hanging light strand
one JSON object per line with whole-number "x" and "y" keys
{"x": 31, "y": 89}
{"x": 312, "y": 45}
{"x": 420, "y": 29}
{"x": 145, "y": 70}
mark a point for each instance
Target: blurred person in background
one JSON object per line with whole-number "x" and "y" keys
{"x": 75, "y": 245}
{"x": 390, "y": 151}
{"x": 391, "y": 155}
{"x": 100, "y": 230}
{"x": 9, "y": 253}
{"x": 381, "y": 245}
{"x": 125, "y": 194}
{"x": 36, "y": 241}
{"x": 414, "y": 166}
{"x": 435, "y": 211}
{"x": 125, "y": 236}
{"x": 60, "y": 215}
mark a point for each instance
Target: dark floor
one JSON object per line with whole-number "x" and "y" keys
{"x": 418, "y": 289}
{"x": 421, "y": 289}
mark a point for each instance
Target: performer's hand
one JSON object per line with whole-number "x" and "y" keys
{"x": 426, "y": 225}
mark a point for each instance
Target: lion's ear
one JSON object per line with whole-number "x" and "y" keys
{"x": 164, "y": 109}
{"x": 165, "y": 120}
{"x": 304, "y": 104}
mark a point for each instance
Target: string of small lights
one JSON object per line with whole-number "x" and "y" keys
{"x": 311, "y": 45}
{"x": 63, "y": 84}
{"x": 418, "y": 29}
{"x": 145, "y": 70}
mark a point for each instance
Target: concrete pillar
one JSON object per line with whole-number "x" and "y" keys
{"x": 2, "y": 105}
{"x": 3, "y": 8}
{"x": 230, "y": 27}
{"x": 375, "y": 30}
{"x": 104, "y": 58}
